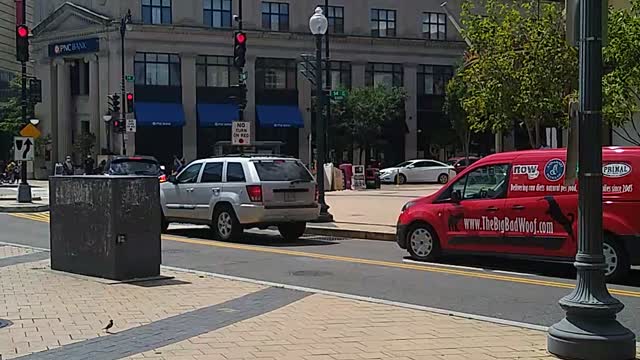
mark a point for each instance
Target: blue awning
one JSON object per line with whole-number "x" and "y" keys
{"x": 280, "y": 116}
{"x": 159, "y": 114}
{"x": 211, "y": 115}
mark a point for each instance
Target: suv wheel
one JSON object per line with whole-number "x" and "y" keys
{"x": 616, "y": 260}
{"x": 293, "y": 231}
{"x": 225, "y": 224}
{"x": 422, "y": 242}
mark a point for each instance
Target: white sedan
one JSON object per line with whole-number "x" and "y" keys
{"x": 417, "y": 171}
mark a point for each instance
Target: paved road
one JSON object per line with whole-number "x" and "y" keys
{"x": 512, "y": 290}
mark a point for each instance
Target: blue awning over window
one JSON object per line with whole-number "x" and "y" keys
{"x": 280, "y": 116}
{"x": 211, "y": 115}
{"x": 159, "y": 114}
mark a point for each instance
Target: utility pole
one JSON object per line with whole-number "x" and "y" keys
{"x": 590, "y": 330}
{"x": 124, "y": 22}
{"x": 327, "y": 53}
{"x": 22, "y": 54}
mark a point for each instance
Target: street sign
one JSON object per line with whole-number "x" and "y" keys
{"x": 131, "y": 125}
{"x": 30, "y": 131}
{"x": 241, "y": 133}
{"x": 23, "y": 148}
{"x": 338, "y": 94}
{"x": 130, "y": 78}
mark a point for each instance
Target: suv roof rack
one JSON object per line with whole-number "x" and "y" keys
{"x": 252, "y": 156}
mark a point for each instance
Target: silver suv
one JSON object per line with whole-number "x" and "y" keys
{"x": 233, "y": 193}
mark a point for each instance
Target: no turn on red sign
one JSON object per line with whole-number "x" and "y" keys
{"x": 241, "y": 133}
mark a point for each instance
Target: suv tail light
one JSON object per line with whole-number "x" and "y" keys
{"x": 163, "y": 178}
{"x": 255, "y": 193}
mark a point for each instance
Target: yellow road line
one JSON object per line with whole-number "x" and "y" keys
{"x": 44, "y": 217}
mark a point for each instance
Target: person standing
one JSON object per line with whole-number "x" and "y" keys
{"x": 89, "y": 165}
{"x": 68, "y": 166}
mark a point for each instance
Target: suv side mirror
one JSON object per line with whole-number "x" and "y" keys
{"x": 455, "y": 196}
{"x": 172, "y": 179}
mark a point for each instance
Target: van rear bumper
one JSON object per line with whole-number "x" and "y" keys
{"x": 632, "y": 244}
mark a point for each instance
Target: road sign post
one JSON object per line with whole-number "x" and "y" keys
{"x": 241, "y": 133}
{"x": 131, "y": 125}
{"x": 23, "y": 148}
{"x": 338, "y": 94}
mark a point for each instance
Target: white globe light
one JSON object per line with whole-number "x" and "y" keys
{"x": 318, "y": 23}
{"x": 107, "y": 118}
{"x": 34, "y": 122}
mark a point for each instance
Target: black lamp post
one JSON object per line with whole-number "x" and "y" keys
{"x": 319, "y": 24}
{"x": 590, "y": 329}
{"x": 125, "y": 22}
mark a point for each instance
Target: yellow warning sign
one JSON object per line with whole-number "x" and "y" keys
{"x": 30, "y": 131}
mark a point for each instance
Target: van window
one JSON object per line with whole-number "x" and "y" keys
{"x": 487, "y": 182}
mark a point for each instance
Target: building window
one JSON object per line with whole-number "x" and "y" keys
{"x": 217, "y": 13}
{"x": 434, "y": 26}
{"x": 432, "y": 79}
{"x": 216, "y": 71}
{"x": 276, "y": 73}
{"x": 275, "y": 16}
{"x": 335, "y": 16}
{"x": 340, "y": 75}
{"x": 379, "y": 74}
{"x": 156, "y": 11}
{"x": 383, "y": 23}
{"x": 157, "y": 69}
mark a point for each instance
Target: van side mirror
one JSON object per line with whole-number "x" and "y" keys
{"x": 455, "y": 196}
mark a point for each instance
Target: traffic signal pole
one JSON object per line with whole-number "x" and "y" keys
{"x": 24, "y": 189}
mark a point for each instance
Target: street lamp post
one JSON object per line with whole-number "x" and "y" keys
{"x": 590, "y": 329}
{"x": 125, "y": 22}
{"x": 107, "y": 124}
{"x": 24, "y": 189}
{"x": 318, "y": 25}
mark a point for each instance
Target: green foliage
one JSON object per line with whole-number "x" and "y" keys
{"x": 524, "y": 69}
{"x": 11, "y": 111}
{"x": 84, "y": 144}
{"x": 453, "y": 109}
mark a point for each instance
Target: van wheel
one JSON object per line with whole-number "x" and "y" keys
{"x": 293, "y": 231}
{"x": 443, "y": 179}
{"x": 401, "y": 179}
{"x": 616, "y": 259}
{"x": 422, "y": 242}
{"x": 226, "y": 226}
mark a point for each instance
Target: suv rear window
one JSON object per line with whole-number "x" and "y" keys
{"x": 134, "y": 167}
{"x": 282, "y": 170}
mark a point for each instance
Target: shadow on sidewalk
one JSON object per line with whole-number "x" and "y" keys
{"x": 252, "y": 238}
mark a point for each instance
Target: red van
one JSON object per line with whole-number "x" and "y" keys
{"x": 516, "y": 204}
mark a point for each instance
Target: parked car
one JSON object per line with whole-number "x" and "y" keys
{"x": 233, "y": 193}
{"x": 134, "y": 165}
{"x": 516, "y": 204}
{"x": 460, "y": 163}
{"x": 415, "y": 171}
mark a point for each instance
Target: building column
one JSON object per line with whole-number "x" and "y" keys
{"x": 63, "y": 140}
{"x": 304, "y": 104}
{"x": 46, "y": 112}
{"x": 94, "y": 99}
{"x": 190, "y": 130}
{"x": 103, "y": 107}
{"x": 250, "y": 110}
{"x": 411, "y": 111}
{"x": 357, "y": 81}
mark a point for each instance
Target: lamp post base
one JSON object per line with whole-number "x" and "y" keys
{"x": 24, "y": 193}
{"x": 325, "y": 216}
{"x": 591, "y": 339}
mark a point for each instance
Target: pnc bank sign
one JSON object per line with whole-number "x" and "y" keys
{"x": 74, "y": 47}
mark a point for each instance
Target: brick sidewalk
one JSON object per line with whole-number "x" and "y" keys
{"x": 61, "y": 316}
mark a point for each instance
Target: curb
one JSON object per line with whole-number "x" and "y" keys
{"x": 24, "y": 209}
{"x": 347, "y": 233}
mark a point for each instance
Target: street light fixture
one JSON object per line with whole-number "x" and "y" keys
{"x": 34, "y": 122}
{"x": 318, "y": 24}
{"x": 125, "y": 25}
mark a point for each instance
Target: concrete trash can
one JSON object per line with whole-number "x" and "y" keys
{"x": 105, "y": 226}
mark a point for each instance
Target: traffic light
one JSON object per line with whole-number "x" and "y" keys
{"x": 22, "y": 43}
{"x": 239, "y": 49}
{"x": 114, "y": 104}
{"x": 122, "y": 125}
{"x": 130, "y": 102}
{"x": 116, "y": 125}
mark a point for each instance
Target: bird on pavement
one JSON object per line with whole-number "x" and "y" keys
{"x": 109, "y": 326}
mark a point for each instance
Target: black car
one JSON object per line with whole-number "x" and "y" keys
{"x": 134, "y": 165}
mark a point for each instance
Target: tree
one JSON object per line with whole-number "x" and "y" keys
{"x": 523, "y": 70}
{"x": 84, "y": 144}
{"x": 621, "y": 81}
{"x": 366, "y": 111}
{"x": 11, "y": 111}
{"x": 456, "y": 91}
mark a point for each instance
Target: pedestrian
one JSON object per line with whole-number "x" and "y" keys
{"x": 177, "y": 164}
{"x": 101, "y": 168}
{"x": 9, "y": 170}
{"x": 17, "y": 170}
{"x": 89, "y": 164}
{"x": 68, "y": 166}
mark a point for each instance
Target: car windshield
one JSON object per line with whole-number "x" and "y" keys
{"x": 134, "y": 167}
{"x": 282, "y": 170}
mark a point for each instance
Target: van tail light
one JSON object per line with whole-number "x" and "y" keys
{"x": 255, "y": 193}
{"x": 163, "y": 178}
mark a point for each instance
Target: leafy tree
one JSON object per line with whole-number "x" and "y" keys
{"x": 365, "y": 113}
{"x": 522, "y": 69}
{"x": 621, "y": 81}
{"x": 84, "y": 144}
{"x": 11, "y": 111}
{"x": 456, "y": 91}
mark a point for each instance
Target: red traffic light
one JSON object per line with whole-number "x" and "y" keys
{"x": 130, "y": 96}
{"x": 241, "y": 38}
{"x": 23, "y": 31}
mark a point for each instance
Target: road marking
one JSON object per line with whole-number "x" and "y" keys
{"x": 410, "y": 261}
{"x": 399, "y": 265}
